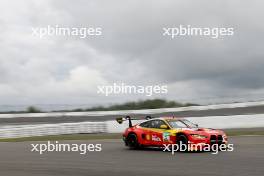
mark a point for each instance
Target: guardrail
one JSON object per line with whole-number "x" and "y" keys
{"x": 217, "y": 122}
{"x": 220, "y": 122}
{"x": 52, "y": 129}
{"x": 233, "y": 121}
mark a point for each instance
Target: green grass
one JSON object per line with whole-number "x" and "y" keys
{"x": 229, "y": 132}
{"x": 250, "y": 131}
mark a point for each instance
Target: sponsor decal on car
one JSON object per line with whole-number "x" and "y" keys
{"x": 148, "y": 137}
{"x": 155, "y": 138}
{"x": 166, "y": 136}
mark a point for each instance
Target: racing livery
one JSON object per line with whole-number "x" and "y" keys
{"x": 158, "y": 132}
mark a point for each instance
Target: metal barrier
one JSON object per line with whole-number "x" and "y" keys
{"x": 52, "y": 129}
{"x": 218, "y": 122}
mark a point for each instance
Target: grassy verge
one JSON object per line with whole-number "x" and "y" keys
{"x": 229, "y": 132}
{"x": 243, "y": 131}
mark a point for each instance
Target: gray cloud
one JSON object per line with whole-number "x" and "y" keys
{"x": 132, "y": 50}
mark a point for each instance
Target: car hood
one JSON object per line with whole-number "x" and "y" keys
{"x": 202, "y": 131}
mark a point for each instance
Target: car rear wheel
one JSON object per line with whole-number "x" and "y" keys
{"x": 132, "y": 141}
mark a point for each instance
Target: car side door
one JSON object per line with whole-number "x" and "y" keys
{"x": 145, "y": 133}
{"x": 157, "y": 133}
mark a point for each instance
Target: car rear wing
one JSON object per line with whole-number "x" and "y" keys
{"x": 120, "y": 120}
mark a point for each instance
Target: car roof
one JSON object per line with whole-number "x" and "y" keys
{"x": 167, "y": 118}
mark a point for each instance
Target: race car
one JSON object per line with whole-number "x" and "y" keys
{"x": 158, "y": 132}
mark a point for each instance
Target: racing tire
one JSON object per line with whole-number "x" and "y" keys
{"x": 132, "y": 141}
{"x": 182, "y": 140}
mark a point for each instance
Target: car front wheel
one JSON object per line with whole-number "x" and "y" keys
{"x": 182, "y": 140}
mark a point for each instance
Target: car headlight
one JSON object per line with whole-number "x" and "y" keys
{"x": 198, "y": 136}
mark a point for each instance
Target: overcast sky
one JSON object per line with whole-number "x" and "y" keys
{"x": 132, "y": 49}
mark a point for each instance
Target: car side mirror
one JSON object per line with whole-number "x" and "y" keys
{"x": 164, "y": 127}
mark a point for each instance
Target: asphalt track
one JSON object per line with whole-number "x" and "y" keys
{"x": 66, "y": 119}
{"x": 246, "y": 160}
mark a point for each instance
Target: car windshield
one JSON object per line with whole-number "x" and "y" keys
{"x": 190, "y": 124}
{"x": 177, "y": 124}
{"x": 183, "y": 123}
